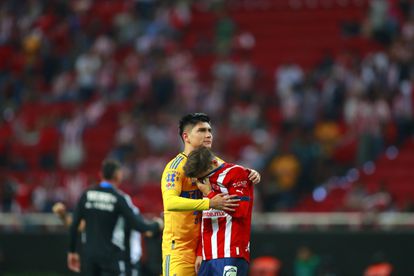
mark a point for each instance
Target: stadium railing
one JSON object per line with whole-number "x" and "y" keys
{"x": 277, "y": 221}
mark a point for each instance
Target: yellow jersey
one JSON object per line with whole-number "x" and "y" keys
{"x": 182, "y": 205}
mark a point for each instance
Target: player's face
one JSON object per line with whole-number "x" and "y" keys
{"x": 200, "y": 135}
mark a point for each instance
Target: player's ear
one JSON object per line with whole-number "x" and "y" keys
{"x": 185, "y": 136}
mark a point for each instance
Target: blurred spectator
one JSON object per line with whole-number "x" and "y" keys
{"x": 124, "y": 138}
{"x": 74, "y": 183}
{"x": 354, "y": 200}
{"x": 381, "y": 25}
{"x": 245, "y": 76}
{"x": 71, "y": 152}
{"x": 403, "y": 112}
{"x": 286, "y": 77}
{"x": 87, "y": 66}
{"x": 163, "y": 86}
{"x": 309, "y": 154}
{"x": 379, "y": 201}
{"x": 265, "y": 266}
{"x": 224, "y": 32}
{"x": 371, "y": 117}
{"x": 379, "y": 266}
{"x": 47, "y": 193}
{"x": 306, "y": 263}
{"x": 8, "y": 191}
{"x": 284, "y": 170}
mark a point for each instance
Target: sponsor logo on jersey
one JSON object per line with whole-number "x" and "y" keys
{"x": 100, "y": 200}
{"x": 242, "y": 183}
{"x": 169, "y": 185}
{"x": 212, "y": 213}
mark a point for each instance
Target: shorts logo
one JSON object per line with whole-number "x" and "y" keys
{"x": 230, "y": 270}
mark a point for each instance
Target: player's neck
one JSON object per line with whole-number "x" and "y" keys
{"x": 188, "y": 149}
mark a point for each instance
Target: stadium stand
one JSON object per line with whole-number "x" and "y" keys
{"x": 307, "y": 102}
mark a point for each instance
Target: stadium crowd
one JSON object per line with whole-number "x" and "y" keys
{"x": 84, "y": 57}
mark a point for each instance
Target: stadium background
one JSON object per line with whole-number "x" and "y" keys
{"x": 314, "y": 94}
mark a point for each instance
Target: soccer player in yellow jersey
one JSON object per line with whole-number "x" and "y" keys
{"x": 183, "y": 201}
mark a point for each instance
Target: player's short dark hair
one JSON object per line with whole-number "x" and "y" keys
{"x": 109, "y": 167}
{"x": 192, "y": 119}
{"x": 198, "y": 162}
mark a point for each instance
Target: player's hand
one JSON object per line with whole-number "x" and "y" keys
{"x": 197, "y": 264}
{"x": 59, "y": 209}
{"x": 148, "y": 234}
{"x": 254, "y": 176}
{"x": 204, "y": 187}
{"x": 224, "y": 202}
{"x": 160, "y": 222}
{"x": 74, "y": 262}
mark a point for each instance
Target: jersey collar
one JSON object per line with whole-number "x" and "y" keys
{"x": 105, "y": 184}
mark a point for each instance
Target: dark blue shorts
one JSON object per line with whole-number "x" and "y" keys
{"x": 224, "y": 267}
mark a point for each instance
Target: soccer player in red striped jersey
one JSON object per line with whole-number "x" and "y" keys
{"x": 225, "y": 236}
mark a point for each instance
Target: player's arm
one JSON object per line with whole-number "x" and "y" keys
{"x": 171, "y": 190}
{"x": 174, "y": 202}
{"x": 73, "y": 259}
{"x": 78, "y": 215}
{"x": 241, "y": 185}
{"x": 135, "y": 219}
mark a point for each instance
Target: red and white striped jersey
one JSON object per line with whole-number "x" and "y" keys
{"x": 227, "y": 234}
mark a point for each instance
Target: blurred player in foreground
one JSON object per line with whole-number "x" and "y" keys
{"x": 135, "y": 240}
{"x": 225, "y": 235}
{"x": 183, "y": 200}
{"x": 109, "y": 220}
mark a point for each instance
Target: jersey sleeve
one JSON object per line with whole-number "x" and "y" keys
{"x": 171, "y": 186}
{"x": 134, "y": 218}
{"x": 238, "y": 183}
{"x": 78, "y": 215}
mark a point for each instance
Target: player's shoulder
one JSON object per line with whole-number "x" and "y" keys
{"x": 127, "y": 199}
{"x": 236, "y": 170}
{"x": 177, "y": 162}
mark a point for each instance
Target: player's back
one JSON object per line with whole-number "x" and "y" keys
{"x": 182, "y": 228}
{"x": 106, "y": 232}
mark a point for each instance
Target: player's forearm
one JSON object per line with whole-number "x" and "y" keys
{"x": 177, "y": 203}
{"x": 73, "y": 233}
